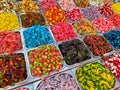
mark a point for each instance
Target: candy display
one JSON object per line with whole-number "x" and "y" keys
{"x": 8, "y": 22}
{"x": 28, "y": 6}
{"x": 112, "y": 63}
{"x": 95, "y": 76}
{"x": 74, "y": 15}
{"x": 55, "y": 15}
{"x": 91, "y": 13}
{"x": 8, "y": 6}
{"x": 37, "y": 35}
{"x": 12, "y": 69}
{"x": 62, "y": 81}
{"x": 96, "y": 2}
{"x": 63, "y": 31}
{"x": 66, "y": 5}
{"x": 30, "y": 19}
{"x": 116, "y": 20}
{"x": 10, "y": 41}
{"x": 44, "y": 60}
{"x": 106, "y": 9}
{"x": 97, "y": 45}
{"x": 74, "y": 51}
{"x": 103, "y": 24}
{"x": 114, "y": 38}
{"x": 84, "y": 27}
{"x": 23, "y": 88}
{"x": 47, "y": 4}
{"x": 115, "y": 7}
{"x": 81, "y": 3}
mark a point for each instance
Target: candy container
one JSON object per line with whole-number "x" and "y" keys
{"x": 103, "y": 24}
{"x": 106, "y": 9}
{"x": 44, "y": 60}
{"x": 84, "y": 27}
{"x": 8, "y": 6}
{"x": 63, "y": 31}
{"x": 66, "y": 5}
{"x": 116, "y": 7}
{"x": 47, "y": 4}
{"x": 55, "y": 15}
{"x": 81, "y": 3}
{"x": 74, "y": 15}
{"x": 28, "y": 6}
{"x": 30, "y": 19}
{"x": 10, "y": 41}
{"x": 96, "y": 2}
{"x": 116, "y": 20}
{"x": 74, "y": 51}
{"x": 37, "y": 35}
{"x": 12, "y": 69}
{"x": 112, "y": 63}
{"x": 91, "y": 13}
{"x": 8, "y": 22}
{"x": 114, "y": 38}
{"x": 97, "y": 45}
{"x": 62, "y": 81}
{"x": 95, "y": 76}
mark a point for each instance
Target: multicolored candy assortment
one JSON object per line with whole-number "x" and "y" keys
{"x": 95, "y": 76}
{"x": 97, "y": 45}
{"x": 44, "y": 60}
{"x": 12, "y": 69}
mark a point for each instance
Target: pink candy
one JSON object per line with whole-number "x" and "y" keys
{"x": 47, "y": 4}
{"x": 66, "y": 4}
{"x": 103, "y": 24}
{"x": 63, "y": 31}
{"x": 10, "y": 41}
{"x": 74, "y": 15}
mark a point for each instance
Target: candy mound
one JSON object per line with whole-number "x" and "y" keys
{"x": 10, "y": 41}
{"x": 97, "y": 45}
{"x": 37, "y": 35}
{"x": 62, "y": 81}
{"x": 30, "y": 19}
{"x": 74, "y": 51}
{"x": 95, "y": 76}
{"x": 44, "y": 60}
{"x": 12, "y": 69}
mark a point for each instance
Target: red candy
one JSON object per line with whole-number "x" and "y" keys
{"x": 74, "y": 15}
{"x": 116, "y": 20}
{"x": 113, "y": 63}
{"x": 103, "y": 24}
{"x": 63, "y": 31}
{"x": 106, "y": 9}
{"x": 10, "y": 41}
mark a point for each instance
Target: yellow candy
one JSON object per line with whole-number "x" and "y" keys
{"x": 116, "y": 7}
{"x": 8, "y": 22}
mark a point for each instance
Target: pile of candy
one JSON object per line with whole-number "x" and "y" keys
{"x": 114, "y": 38}
{"x": 10, "y": 41}
{"x": 97, "y": 44}
{"x": 84, "y": 27}
{"x": 113, "y": 64}
{"x": 28, "y": 6}
{"x": 44, "y": 60}
{"x": 54, "y": 16}
{"x": 8, "y": 22}
{"x": 31, "y": 19}
{"x": 103, "y": 24}
{"x": 95, "y": 77}
{"x": 74, "y": 51}
{"x": 62, "y": 81}
{"x": 63, "y": 31}
{"x": 37, "y": 35}
{"x": 91, "y": 13}
{"x": 12, "y": 69}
